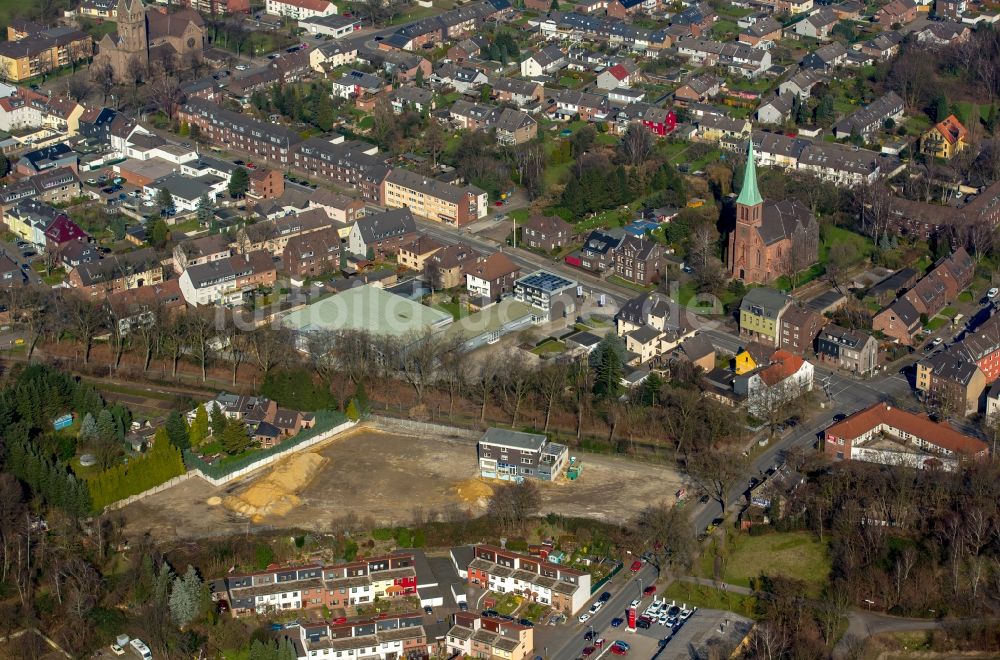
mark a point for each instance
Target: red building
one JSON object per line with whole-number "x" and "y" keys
{"x": 660, "y": 121}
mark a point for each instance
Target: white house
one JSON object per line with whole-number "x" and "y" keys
{"x": 300, "y": 9}
{"x": 548, "y": 60}
{"x": 786, "y": 378}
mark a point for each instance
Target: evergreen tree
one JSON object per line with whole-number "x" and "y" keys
{"x": 199, "y": 427}
{"x": 164, "y": 199}
{"x": 940, "y": 107}
{"x": 88, "y": 428}
{"x": 235, "y": 437}
{"x": 159, "y": 233}
{"x": 218, "y": 419}
{"x": 206, "y": 210}
{"x": 186, "y": 597}
{"x": 609, "y": 367}
{"x": 177, "y": 430}
{"x": 161, "y": 586}
{"x": 239, "y": 183}
{"x": 106, "y": 427}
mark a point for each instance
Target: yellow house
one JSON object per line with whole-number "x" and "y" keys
{"x": 743, "y": 363}
{"x": 33, "y": 55}
{"x": 945, "y": 139}
{"x": 414, "y": 255}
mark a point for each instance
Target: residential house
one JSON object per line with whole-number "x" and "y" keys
{"x": 414, "y": 254}
{"x": 377, "y": 236}
{"x": 885, "y": 434}
{"x": 522, "y": 93}
{"x": 446, "y": 268}
{"x": 825, "y": 58}
{"x": 565, "y": 589}
{"x": 760, "y": 315}
{"x": 117, "y": 272}
{"x": 265, "y": 183}
{"x": 464, "y": 50}
{"x": 882, "y": 47}
{"x": 47, "y": 158}
{"x": 769, "y": 388}
{"x": 551, "y": 293}
{"x": 585, "y": 106}
{"x": 463, "y": 80}
{"x": 491, "y": 277}
{"x": 896, "y": 12}
{"x": 892, "y": 286}
{"x": 300, "y": 9}
{"x": 546, "y": 61}
{"x": 414, "y": 98}
{"x": 597, "y": 253}
{"x": 652, "y": 325}
{"x": 765, "y": 31}
{"x": 867, "y": 121}
{"x": 269, "y": 142}
{"x": 899, "y": 321}
{"x": 506, "y": 455}
{"x": 227, "y": 281}
{"x": 853, "y": 350}
{"x": 482, "y": 637}
{"x": 313, "y": 254}
{"x": 512, "y": 127}
{"x": 32, "y": 50}
{"x": 358, "y": 85}
{"x": 63, "y": 231}
{"x": 618, "y": 75}
{"x": 941, "y": 34}
{"x": 698, "y": 16}
{"x": 818, "y": 25}
{"x": 716, "y": 127}
{"x": 11, "y": 274}
{"x": 957, "y": 377}
{"x": 776, "y": 110}
{"x": 332, "y": 55}
{"x": 945, "y": 139}
{"x": 661, "y": 121}
{"x": 433, "y": 199}
{"x": 800, "y": 326}
{"x": 697, "y": 350}
{"x": 639, "y": 260}
{"x": 340, "y": 208}
{"x": 802, "y": 83}
{"x": 140, "y": 307}
{"x": 698, "y": 89}
{"x": 547, "y": 233}
{"x": 194, "y": 251}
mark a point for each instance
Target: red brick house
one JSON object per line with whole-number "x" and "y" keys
{"x": 491, "y": 277}
{"x": 544, "y": 232}
{"x": 265, "y": 184}
{"x": 312, "y": 254}
{"x": 639, "y": 260}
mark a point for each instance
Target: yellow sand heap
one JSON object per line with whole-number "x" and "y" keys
{"x": 214, "y": 500}
{"x": 474, "y": 491}
{"x": 275, "y": 494}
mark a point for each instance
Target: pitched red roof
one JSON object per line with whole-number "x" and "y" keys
{"x": 784, "y": 364}
{"x": 940, "y": 434}
{"x": 619, "y": 72}
{"x": 951, "y": 129}
{"x": 62, "y": 230}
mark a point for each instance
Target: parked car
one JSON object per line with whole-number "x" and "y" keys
{"x": 636, "y": 565}
{"x": 649, "y": 591}
{"x": 489, "y": 613}
{"x": 583, "y": 618}
{"x": 428, "y": 609}
{"x": 588, "y": 650}
{"x": 992, "y": 293}
{"x": 527, "y": 622}
{"x": 463, "y": 606}
{"x": 618, "y": 650}
{"x": 242, "y": 67}
{"x": 600, "y": 643}
{"x": 117, "y": 650}
{"x": 589, "y": 635}
{"x": 635, "y": 603}
{"x": 617, "y": 621}
{"x": 605, "y": 597}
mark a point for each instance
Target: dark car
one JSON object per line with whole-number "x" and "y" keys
{"x": 617, "y": 621}
{"x": 428, "y": 609}
{"x": 605, "y": 597}
{"x": 703, "y": 499}
{"x": 27, "y": 254}
{"x": 527, "y": 622}
{"x": 839, "y": 417}
{"x": 649, "y": 591}
{"x": 463, "y": 606}
{"x": 223, "y": 606}
{"x": 589, "y": 635}
{"x": 644, "y": 622}
{"x": 107, "y": 191}
{"x": 489, "y": 613}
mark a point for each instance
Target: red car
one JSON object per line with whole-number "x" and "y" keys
{"x": 599, "y": 643}
{"x": 588, "y": 651}
{"x": 636, "y": 565}
{"x": 649, "y": 591}
{"x": 618, "y": 650}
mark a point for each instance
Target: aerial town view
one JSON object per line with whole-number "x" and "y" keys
{"x": 500, "y": 329}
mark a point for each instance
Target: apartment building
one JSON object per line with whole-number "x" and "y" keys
{"x": 118, "y": 272}
{"x": 392, "y": 637}
{"x": 314, "y": 586}
{"x": 270, "y": 142}
{"x": 496, "y": 569}
{"x": 32, "y": 50}
{"x": 273, "y": 235}
{"x": 853, "y": 350}
{"x": 433, "y": 199}
{"x": 507, "y": 455}
{"x": 348, "y": 163}
{"x": 475, "y": 636}
{"x": 491, "y": 277}
{"x": 300, "y": 9}
{"x": 227, "y": 281}
{"x": 195, "y": 251}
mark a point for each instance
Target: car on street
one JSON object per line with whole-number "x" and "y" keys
{"x": 635, "y": 603}
{"x": 839, "y": 417}
{"x": 583, "y": 618}
{"x": 937, "y": 342}
{"x": 617, "y": 621}
{"x": 636, "y": 565}
{"x": 649, "y": 591}
{"x": 589, "y": 635}
{"x": 463, "y": 606}
{"x": 599, "y": 643}
{"x": 242, "y": 67}
{"x": 992, "y": 293}
{"x": 595, "y": 607}
{"x": 588, "y": 650}
{"x": 605, "y": 597}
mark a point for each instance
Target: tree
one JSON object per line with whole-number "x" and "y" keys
{"x": 164, "y": 199}
{"x": 187, "y": 597}
{"x": 434, "y": 140}
{"x": 217, "y": 419}
{"x": 609, "y": 367}
{"x": 239, "y": 183}
{"x": 513, "y": 503}
{"x": 716, "y": 470}
{"x": 177, "y": 430}
{"x": 551, "y": 381}
{"x": 159, "y": 233}
{"x": 235, "y": 437}
{"x": 637, "y": 144}
{"x": 268, "y": 345}
{"x": 516, "y": 382}
{"x": 666, "y": 533}
{"x": 199, "y": 427}
{"x": 206, "y": 210}
{"x": 385, "y": 125}
{"x": 84, "y": 320}
{"x": 78, "y": 88}
{"x": 840, "y": 258}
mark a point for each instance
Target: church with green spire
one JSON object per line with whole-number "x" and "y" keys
{"x": 770, "y": 239}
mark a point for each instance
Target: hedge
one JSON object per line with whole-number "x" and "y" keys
{"x": 325, "y": 420}
{"x": 162, "y": 463}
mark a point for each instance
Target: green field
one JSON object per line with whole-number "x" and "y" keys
{"x": 796, "y": 555}
{"x": 935, "y": 323}
{"x": 551, "y": 346}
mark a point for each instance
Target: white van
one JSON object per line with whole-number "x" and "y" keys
{"x": 140, "y": 647}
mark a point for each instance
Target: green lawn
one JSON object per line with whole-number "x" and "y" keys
{"x": 453, "y": 308}
{"x": 708, "y": 597}
{"x": 534, "y": 612}
{"x": 507, "y": 603}
{"x": 631, "y": 285}
{"x": 935, "y": 323}
{"x": 832, "y": 234}
{"x": 551, "y": 346}
{"x": 520, "y": 215}
{"x": 796, "y": 555}
{"x": 949, "y": 312}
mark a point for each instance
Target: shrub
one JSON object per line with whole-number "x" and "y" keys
{"x": 404, "y": 538}
{"x": 383, "y": 533}
{"x": 263, "y": 556}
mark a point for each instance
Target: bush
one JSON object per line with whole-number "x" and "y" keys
{"x": 350, "y": 551}
{"x": 419, "y": 539}
{"x": 296, "y": 389}
{"x": 404, "y": 538}
{"x": 383, "y": 533}
{"x": 263, "y": 556}
{"x": 161, "y": 463}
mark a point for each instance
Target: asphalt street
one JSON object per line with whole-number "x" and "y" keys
{"x": 566, "y": 641}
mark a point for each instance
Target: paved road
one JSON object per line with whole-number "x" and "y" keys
{"x": 564, "y": 642}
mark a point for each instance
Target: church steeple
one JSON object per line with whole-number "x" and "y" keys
{"x": 749, "y": 195}
{"x": 132, "y": 27}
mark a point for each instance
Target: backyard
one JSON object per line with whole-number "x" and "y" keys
{"x": 797, "y": 555}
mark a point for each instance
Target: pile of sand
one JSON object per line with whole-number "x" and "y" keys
{"x": 474, "y": 491}
{"x": 214, "y": 500}
{"x": 276, "y": 493}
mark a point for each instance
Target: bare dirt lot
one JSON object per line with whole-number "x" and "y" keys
{"x": 388, "y": 478}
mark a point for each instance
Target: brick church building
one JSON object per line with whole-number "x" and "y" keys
{"x": 771, "y": 239}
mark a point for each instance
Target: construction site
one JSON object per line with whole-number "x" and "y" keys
{"x": 389, "y": 479}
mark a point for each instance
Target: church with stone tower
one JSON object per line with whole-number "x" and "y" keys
{"x": 771, "y": 238}
{"x": 150, "y": 37}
